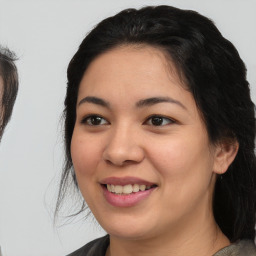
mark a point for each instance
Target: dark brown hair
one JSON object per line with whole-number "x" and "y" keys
{"x": 8, "y": 73}
{"x": 216, "y": 77}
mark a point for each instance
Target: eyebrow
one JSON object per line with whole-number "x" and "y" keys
{"x": 94, "y": 100}
{"x": 141, "y": 103}
{"x": 156, "y": 100}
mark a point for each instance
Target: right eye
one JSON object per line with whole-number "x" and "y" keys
{"x": 94, "y": 120}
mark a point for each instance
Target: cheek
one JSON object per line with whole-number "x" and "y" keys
{"x": 85, "y": 155}
{"x": 183, "y": 161}
{"x": 185, "y": 173}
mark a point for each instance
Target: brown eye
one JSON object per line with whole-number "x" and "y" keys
{"x": 159, "y": 121}
{"x": 94, "y": 120}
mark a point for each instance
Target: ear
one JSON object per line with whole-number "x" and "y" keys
{"x": 225, "y": 153}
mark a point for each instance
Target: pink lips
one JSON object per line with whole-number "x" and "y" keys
{"x": 125, "y": 200}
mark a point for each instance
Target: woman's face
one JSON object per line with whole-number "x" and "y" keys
{"x": 139, "y": 134}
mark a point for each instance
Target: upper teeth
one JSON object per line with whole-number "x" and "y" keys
{"x": 127, "y": 189}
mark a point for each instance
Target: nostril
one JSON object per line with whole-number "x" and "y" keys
{"x": 129, "y": 162}
{"x": 119, "y": 162}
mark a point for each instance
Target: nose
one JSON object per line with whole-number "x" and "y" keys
{"x": 123, "y": 147}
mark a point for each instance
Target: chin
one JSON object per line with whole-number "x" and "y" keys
{"x": 129, "y": 230}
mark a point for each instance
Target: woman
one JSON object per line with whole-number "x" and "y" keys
{"x": 159, "y": 133}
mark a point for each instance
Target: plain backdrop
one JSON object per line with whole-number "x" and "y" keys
{"x": 45, "y": 35}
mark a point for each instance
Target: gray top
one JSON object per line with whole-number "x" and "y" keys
{"x": 241, "y": 248}
{"x": 99, "y": 246}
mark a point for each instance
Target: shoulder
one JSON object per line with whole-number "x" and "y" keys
{"x": 96, "y": 247}
{"x": 241, "y": 248}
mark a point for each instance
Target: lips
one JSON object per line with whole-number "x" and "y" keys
{"x": 126, "y": 191}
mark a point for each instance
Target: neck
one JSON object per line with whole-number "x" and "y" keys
{"x": 204, "y": 238}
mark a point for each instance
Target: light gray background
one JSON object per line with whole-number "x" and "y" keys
{"x": 45, "y": 35}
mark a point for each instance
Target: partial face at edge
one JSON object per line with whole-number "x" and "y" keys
{"x": 137, "y": 124}
{"x": 1, "y": 107}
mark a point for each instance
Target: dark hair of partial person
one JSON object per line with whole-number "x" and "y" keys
{"x": 8, "y": 72}
{"x": 212, "y": 71}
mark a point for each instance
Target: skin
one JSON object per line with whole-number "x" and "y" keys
{"x": 177, "y": 218}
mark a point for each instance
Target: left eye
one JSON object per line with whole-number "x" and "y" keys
{"x": 159, "y": 121}
{"x": 94, "y": 120}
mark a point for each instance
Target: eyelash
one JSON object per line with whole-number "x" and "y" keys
{"x": 159, "y": 120}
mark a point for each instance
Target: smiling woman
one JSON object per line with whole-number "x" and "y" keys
{"x": 159, "y": 133}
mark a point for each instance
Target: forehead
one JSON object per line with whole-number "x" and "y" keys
{"x": 139, "y": 54}
{"x": 144, "y": 65}
{"x": 126, "y": 75}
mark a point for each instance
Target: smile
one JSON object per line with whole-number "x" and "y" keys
{"x": 127, "y": 189}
